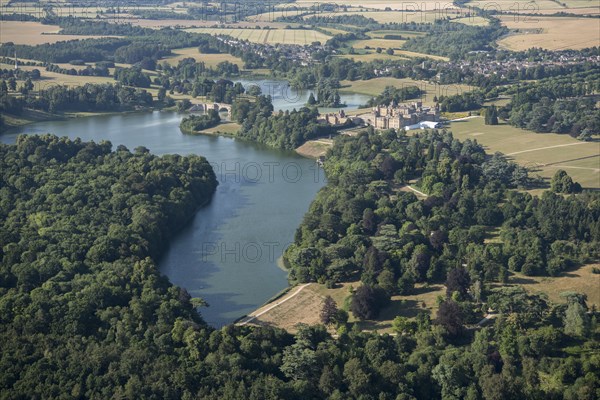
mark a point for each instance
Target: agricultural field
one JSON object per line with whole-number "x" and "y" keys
{"x": 210, "y": 60}
{"x": 333, "y": 31}
{"x": 284, "y": 36}
{"x": 54, "y": 78}
{"x": 518, "y": 6}
{"x": 379, "y": 5}
{"x": 375, "y": 86}
{"x": 542, "y": 7}
{"x": 409, "y": 15}
{"x": 33, "y": 33}
{"x": 543, "y": 153}
{"x": 552, "y": 33}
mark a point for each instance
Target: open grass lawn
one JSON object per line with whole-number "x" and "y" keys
{"x": 424, "y": 299}
{"x": 306, "y": 305}
{"x": 210, "y": 60}
{"x": 552, "y": 33}
{"x": 581, "y": 280}
{"x": 33, "y": 33}
{"x": 225, "y": 128}
{"x": 375, "y": 86}
{"x": 543, "y": 153}
{"x": 285, "y": 36}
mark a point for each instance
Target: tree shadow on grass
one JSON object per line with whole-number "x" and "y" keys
{"x": 425, "y": 289}
{"x": 519, "y": 280}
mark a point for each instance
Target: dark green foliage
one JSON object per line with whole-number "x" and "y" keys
{"x": 392, "y": 94}
{"x": 89, "y": 97}
{"x": 455, "y": 40}
{"x": 80, "y": 229}
{"x": 459, "y": 281}
{"x": 84, "y": 312}
{"x": 286, "y": 130}
{"x": 132, "y": 77}
{"x": 461, "y": 102}
{"x": 329, "y": 311}
{"x": 558, "y": 105}
{"x": 196, "y": 123}
{"x": 367, "y": 301}
{"x": 491, "y": 115}
{"x": 562, "y": 183}
{"x": 327, "y": 94}
{"x": 359, "y": 227}
{"x": 450, "y": 316}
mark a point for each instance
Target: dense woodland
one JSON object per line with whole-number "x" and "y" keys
{"x": 362, "y": 226}
{"x": 196, "y": 123}
{"x": 81, "y": 226}
{"x": 564, "y": 104}
{"x": 456, "y": 40}
{"x": 89, "y": 97}
{"x": 285, "y": 130}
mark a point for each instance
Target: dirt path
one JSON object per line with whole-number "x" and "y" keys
{"x": 252, "y": 317}
{"x": 416, "y": 191}
{"x": 572, "y": 166}
{"x": 545, "y": 148}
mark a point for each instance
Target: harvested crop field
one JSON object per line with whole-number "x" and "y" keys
{"x": 33, "y": 33}
{"x": 284, "y": 36}
{"x": 552, "y": 33}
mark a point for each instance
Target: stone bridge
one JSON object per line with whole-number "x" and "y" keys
{"x": 211, "y": 106}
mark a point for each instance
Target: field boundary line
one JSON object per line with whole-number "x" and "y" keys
{"x": 545, "y": 148}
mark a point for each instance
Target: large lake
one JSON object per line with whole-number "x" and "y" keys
{"x": 228, "y": 253}
{"x": 285, "y": 98}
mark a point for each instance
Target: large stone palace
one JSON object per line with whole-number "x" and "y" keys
{"x": 397, "y": 116}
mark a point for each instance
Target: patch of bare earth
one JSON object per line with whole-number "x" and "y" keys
{"x": 315, "y": 148}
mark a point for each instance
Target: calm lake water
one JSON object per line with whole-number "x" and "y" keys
{"x": 228, "y": 253}
{"x": 286, "y": 99}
